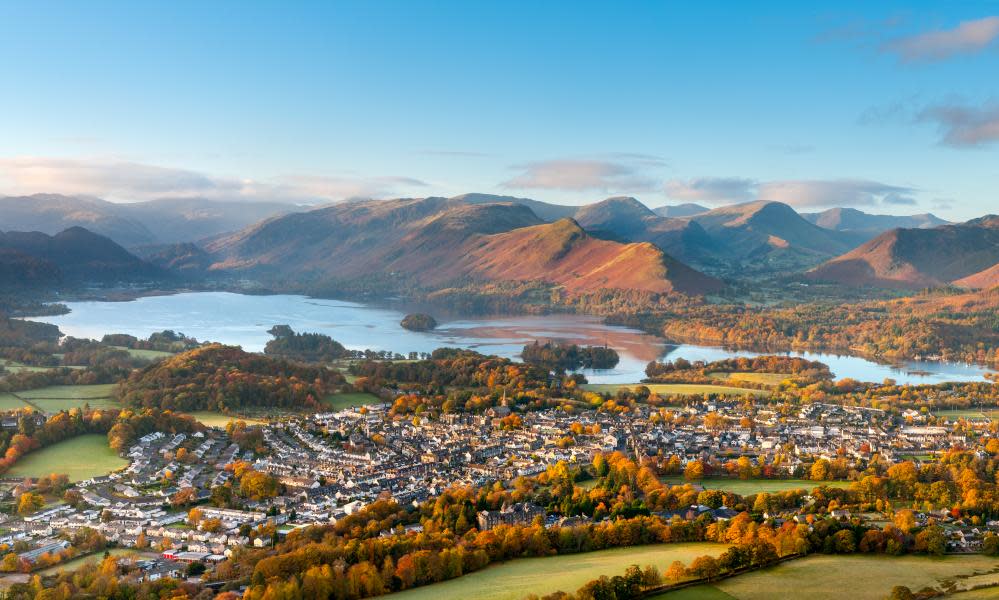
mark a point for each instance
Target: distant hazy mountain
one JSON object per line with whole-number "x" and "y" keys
{"x": 626, "y": 219}
{"x": 52, "y": 213}
{"x": 771, "y": 235}
{"x": 964, "y": 254}
{"x": 851, "y": 219}
{"x": 137, "y": 224}
{"x": 681, "y": 210}
{"x": 175, "y": 220}
{"x": 72, "y": 256}
{"x": 434, "y": 241}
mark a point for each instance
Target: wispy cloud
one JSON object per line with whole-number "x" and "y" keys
{"x": 712, "y": 190}
{"x": 800, "y": 193}
{"x": 125, "y": 181}
{"x": 581, "y": 175}
{"x": 964, "y": 126}
{"x": 836, "y": 192}
{"x": 968, "y": 37}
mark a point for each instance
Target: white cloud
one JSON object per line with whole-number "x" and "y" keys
{"x": 964, "y": 126}
{"x": 713, "y": 190}
{"x": 124, "y": 181}
{"x": 799, "y": 193}
{"x": 967, "y": 38}
{"x": 838, "y": 192}
{"x": 581, "y": 175}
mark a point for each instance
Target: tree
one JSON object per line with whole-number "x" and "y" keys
{"x": 29, "y": 502}
{"x": 705, "y": 567}
{"x": 694, "y": 471}
{"x": 676, "y": 571}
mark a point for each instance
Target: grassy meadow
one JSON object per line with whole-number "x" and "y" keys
{"x": 861, "y": 577}
{"x": 347, "y": 400}
{"x": 10, "y": 402}
{"x": 217, "y": 419}
{"x": 64, "y": 397}
{"x": 515, "y": 579}
{"x": 761, "y": 378}
{"x": 82, "y": 457}
{"x": 676, "y": 389}
{"x": 745, "y": 487}
{"x": 76, "y": 563}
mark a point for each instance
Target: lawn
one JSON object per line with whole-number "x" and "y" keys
{"x": 513, "y": 580}
{"x": 342, "y": 401}
{"x": 745, "y": 487}
{"x": 862, "y": 577}
{"x": 217, "y": 419}
{"x": 10, "y": 402}
{"x": 82, "y": 457}
{"x": 76, "y": 563}
{"x": 764, "y": 378}
{"x": 676, "y": 389}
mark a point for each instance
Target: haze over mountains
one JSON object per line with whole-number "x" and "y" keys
{"x": 165, "y": 221}
{"x": 613, "y": 243}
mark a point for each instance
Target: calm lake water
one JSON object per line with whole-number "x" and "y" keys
{"x": 244, "y": 320}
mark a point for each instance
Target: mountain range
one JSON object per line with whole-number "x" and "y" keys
{"x": 136, "y": 224}
{"x": 74, "y": 255}
{"x": 963, "y": 254}
{"x": 433, "y": 242}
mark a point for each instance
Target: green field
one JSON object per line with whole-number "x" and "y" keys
{"x": 76, "y": 563}
{"x": 968, "y": 413}
{"x": 10, "y": 402}
{"x": 342, "y": 401}
{"x": 861, "y": 577}
{"x": 70, "y": 392}
{"x": 217, "y": 419}
{"x": 64, "y": 397}
{"x": 764, "y": 378}
{"x": 676, "y": 389}
{"x": 515, "y": 579}
{"x": 82, "y": 457}
{"x": 745, "y": 487}
{"x": 16, "y": 367}
{"x": 149, "y": 354}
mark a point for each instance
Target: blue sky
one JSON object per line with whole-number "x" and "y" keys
{"x": 888, "y": 106}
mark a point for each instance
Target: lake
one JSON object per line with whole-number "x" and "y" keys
{"x": 244, "y": 320}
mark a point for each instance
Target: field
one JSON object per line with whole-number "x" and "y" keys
{"x": 763, "y": 378}
{"x": 76, "y": 563}
{"x": 681, "y": 389}
{"x": 217, "y": 419}
{"x": 744, "y": 487}
{"x": 81, "y": 458}
{"x": 515, "y": 579}
{"x": 16, "y": 367}
{"x": 968, "y": 413}
{"x": 149, "y": 354}
{"x": 342, "y": 401}
{"x": 867, "y": 577}
{"x": 64, "y": 397}
{"x": 10, "y": 402}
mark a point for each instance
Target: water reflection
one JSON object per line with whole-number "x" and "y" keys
{"x": 244, "y": 320}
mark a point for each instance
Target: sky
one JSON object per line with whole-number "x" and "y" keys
{"x": 890, "y": 107}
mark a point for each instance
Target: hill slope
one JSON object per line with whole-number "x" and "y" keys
{"x": 771, "y": 235}
{"x": 74, "y": 255}
{"x": 917, "y": 258}
{"x": 626, "y": 219}
{"x": 431, "y": 242}
{"x": 851, "y": 219}
{"x": 136, "y": 224}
